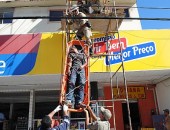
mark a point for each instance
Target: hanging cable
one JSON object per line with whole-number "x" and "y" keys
{"x": 138, "y": 7}
{"x": 90, "y": 17}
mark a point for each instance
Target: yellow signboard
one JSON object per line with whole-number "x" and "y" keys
{"x": 133, "y": 92}
{"x": 142, "y": 50}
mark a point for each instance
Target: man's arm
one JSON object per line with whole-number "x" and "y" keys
{"x": 51, "y": 114}
{"x": 66, "y": 114}
{"x": 94, "y": 117}
{"x": 69, "y": 21}
{"x": 89, "y": 125}
{"x": 69, "y": 64}
{"x": 87, "y": 117}
{"x": 92, "y": 125}
{"x": 85, "y": 62}
{"x": 66, "y": 120}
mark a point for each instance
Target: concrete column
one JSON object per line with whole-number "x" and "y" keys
{"x": 31, "y": 110}
{"x": 11, "y": 110}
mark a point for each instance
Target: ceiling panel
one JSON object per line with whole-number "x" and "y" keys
{"x": 52, "y": 82}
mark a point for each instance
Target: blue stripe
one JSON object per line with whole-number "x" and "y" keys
{"x": 16, "y": 64}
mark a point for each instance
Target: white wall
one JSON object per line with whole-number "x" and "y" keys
{"x": 24, "y": 26}
{"x": 131, "y": 24}
{"x": 163, "y": 95}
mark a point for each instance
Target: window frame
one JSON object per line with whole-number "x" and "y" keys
{"x": 127, "y": 13}
{"x": 56, "y": 10}
{"x": 4, "y": 11}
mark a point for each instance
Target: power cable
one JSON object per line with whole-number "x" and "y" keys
{"x": 127, "y": 7}
{"x": 91, "y": 17}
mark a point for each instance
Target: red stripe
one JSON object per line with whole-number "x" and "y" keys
{"x": 23, "y": 43}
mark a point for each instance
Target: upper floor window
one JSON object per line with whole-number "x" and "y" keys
{"x": 6, "y": 13}
{"x": 126, "y": 11}
{"x": 55, "y": 15}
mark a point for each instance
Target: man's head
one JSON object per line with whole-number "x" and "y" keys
{"x": 46, "y": 122}
{"x": 166, "y": 112}
{"x": 74, "y": 10}
{"x": 105, "y": 113}
{"x": 73, "y": 49}
{"x": 79, "y": 2}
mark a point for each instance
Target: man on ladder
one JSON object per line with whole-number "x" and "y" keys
{"x": 99, "y": 123}
{"x": 82, "y": 26}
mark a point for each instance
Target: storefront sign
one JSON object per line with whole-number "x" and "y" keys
{"x": 137, "y": 51}
{"x": 112, "y": 45}
{"x": 103, "y": 39}
{"x": 133, "y": 92}
{"x": 2, "y": 66}
{"x": 18, "y": 53}
{"x": 32, "y": 54}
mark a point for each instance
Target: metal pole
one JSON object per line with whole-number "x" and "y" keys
{"x": 11, "y": 110}
{"x": 91, "y": 17}
{"x": 111, "y": 83}
{"x": 31, "y": 110}
{"x": 124, "y": 77}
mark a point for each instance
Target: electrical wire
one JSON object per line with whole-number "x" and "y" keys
{"x": 90, "y": 17}
{"x": 128, "y": 7}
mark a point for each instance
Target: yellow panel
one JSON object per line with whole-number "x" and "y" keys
{"x": 50, "y": 54}
{"x": 161, "y": 40}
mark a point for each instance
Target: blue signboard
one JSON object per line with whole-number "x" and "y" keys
{"x": 132, "y": 52}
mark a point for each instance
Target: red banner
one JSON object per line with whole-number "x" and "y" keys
{"x": 113, "y": 46}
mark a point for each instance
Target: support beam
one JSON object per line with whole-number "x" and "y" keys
{"x": 31, "y": 110}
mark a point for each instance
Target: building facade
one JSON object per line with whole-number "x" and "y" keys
{"x": 31, "y": 66}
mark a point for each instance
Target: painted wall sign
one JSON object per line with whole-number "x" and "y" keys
{"x": 31, "y": 54}
{"x": 103, "y": 39}
{"x": 137, "y": 51}
{"x": 111, "y": 45}
{"x": 18, "y": 53}
{"x": 133, "y": 92}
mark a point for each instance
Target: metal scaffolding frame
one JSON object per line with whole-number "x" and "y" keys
{"x": 109, "y": 54}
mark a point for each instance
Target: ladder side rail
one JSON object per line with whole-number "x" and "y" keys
{"x": 123, "y": 69}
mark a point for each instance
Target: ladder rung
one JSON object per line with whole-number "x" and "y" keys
{"x": 124, "y": 99}
{"x": 96, "y": 55}
{"x": 113, "y": 31}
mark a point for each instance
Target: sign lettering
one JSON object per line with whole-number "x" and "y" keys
{"x": 112, "y": 45}
{"x": 132, "y": 52}
{"x": 133, "y": 92}
{"x": 2, "y": 66}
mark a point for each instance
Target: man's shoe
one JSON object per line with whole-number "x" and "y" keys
{"x": 82, "y": 105}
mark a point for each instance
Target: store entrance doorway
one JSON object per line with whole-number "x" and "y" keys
{"x": 135, "y": 119}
